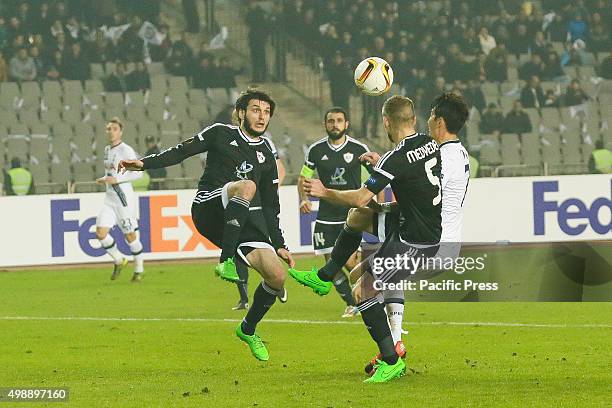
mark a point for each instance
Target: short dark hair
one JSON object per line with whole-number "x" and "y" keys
{"x": 453, "y": 109}
{"x": 15, "y": 162}
{"x": 599, "y": 144}
{"x": 399, "y": 110}
{"x": 252, "y": 93}
{"x": 336, "y": 109}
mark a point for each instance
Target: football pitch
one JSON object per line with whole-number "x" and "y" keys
{"x": 169, "y": 342}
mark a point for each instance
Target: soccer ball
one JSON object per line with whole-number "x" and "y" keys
{"x": 373, "y": 76}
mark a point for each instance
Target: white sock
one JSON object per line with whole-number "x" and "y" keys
{"x": 108, "y": 243}
{"x": 394, "y": 307}
{"x": 136, "y": 248}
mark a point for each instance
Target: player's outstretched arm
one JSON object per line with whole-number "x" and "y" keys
{"x": 130, "y": 165}
{"x": 349, "y": 198}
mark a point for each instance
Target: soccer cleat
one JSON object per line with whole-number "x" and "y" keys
{"x": 258, "y": 348}
{"x": 385, "y": 372}
{"x": 312, "y": 280}
{"x": 226, "y": 270}
{"x": 118, "y": 267}
{"x": 400, "y": 349}
{"x": 137, "y": 277}
{"x": 282, "y": 295}
{"x": 350, "y": 311}
{"x": 241, "y": 305}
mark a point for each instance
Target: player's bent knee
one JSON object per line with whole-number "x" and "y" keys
{"x": 130, "y": 236}
{"x": 358, "y": 218}
{"x": 247, "y": 189}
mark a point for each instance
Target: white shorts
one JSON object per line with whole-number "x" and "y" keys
{"x": 124, "y": 217}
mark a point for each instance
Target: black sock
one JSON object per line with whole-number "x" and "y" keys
{"x": 236, "y": 213}
{"x": 344, "y": 289}
{"x": 347, "y": 243}
{"x": 243, "y": 273}
{"x": 375, "y": 320}
{"x": 263, "y": 299}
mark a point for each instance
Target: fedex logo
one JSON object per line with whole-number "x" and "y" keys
{"x": 152, "y": 224}
{"x": 584, "y": 214}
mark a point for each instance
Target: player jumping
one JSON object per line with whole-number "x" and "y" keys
{"x": 240, "y": 171}
{"x": 120, "y": 204}
{"x": 413, "y": 170}
{"x": 336, "y": 160}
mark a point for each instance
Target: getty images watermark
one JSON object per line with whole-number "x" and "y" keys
{"x": 414, "y": 272}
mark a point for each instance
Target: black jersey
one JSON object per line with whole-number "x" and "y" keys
{"x": 231, "y": 156}
{"x": 339, "y": 168}
{"x": 413, "y": 168}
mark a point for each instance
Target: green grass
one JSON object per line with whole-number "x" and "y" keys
{"x": 155, "y": 363}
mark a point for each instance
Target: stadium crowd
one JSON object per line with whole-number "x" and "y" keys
{"x": 458, "y": 46}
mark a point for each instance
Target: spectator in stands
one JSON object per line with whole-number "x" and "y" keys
{"x": 575, "y": 95}
{"x": 474, "y": 96}
{"x": 178, "y": 63}
{"x": 550, "y": 99}
{"x": 4, "y": 34}
{"x": 340, "y": 81}
{"x": 600, "y": 161}
{"x": 519, "y": 41}
{"x": 577, "y": 29}
{"x": 540, "y": 45}
{"x": 102, "y": 50}
{"x": 76, "y": 65}
{"x": 54, "y": 69}
{"x": 599, "y": 40}
{"x": 552, "y": 68}
{"x": 605, "y": 69}
{"x": 3, "y": 68}
{"x": 256, "y": 22}
{"x": 533, "y": 67}
{"x": 226, "y": 78}
{"x": 130, "y": 46}
{"x": 117, "y": 81}
{"x": 139, "y": 79}
{"x": 38, "y": 62}
{"x": 557, "y": 29}
{"x": 532, "y": 95}
{"x": 18, "y": 181}
{"x": 42, "y": 19}
{"x": 487, "y": 41}
{"x": 183, "y": 45}
{"x": 22, "y": 67}
{"x": 492, "y": 120}
{"x": 204, "y": 75}
{"x": 517, "y": 120}
{"x": 153, "y": 148}
{"x": 190, "y": 10}
{"x": 496, "y": 64}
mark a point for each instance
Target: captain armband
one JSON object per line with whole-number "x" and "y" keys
{"x": 307, "y": 172}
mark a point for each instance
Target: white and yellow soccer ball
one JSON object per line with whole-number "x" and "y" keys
{"x": 373, "y": 76}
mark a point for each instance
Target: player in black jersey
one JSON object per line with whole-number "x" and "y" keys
{"x": 414, "y": 227}
{"x": 241, "y": 170}
{"x": 335, "y": 158}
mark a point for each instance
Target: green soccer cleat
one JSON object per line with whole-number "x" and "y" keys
{"x": 118, "y": 267}
{"x": 312, "y": 280}
{"x": 385, "y": 372}
{"x": 226, "y": 270}
{"x": 258, "y": 348}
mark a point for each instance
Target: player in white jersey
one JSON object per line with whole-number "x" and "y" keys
{"x": 120, "y": 202}
{"x": 446, "y": 114}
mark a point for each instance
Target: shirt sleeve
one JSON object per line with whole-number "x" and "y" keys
{"x": 383, "y": 173}
{"x": 308, "y": 169}
{"x": 270, "y": 205}
{"x": 200, "y": 143}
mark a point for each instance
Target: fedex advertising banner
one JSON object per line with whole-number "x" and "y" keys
{"x": 60, "y": 229}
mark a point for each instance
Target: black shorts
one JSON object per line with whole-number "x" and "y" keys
{"x": 208, "y": 214}
{"x": 324, "y": 236}
{"x": 384, "y": 224}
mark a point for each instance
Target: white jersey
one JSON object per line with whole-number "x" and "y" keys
{"x": 122, "y": 193}
{"x": 455, "y": 178}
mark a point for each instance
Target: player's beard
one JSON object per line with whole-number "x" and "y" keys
{"x": 335, "y": 136}
{"x": 252, "y": 132}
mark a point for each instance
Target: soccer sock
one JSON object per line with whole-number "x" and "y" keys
{"x": 347, "y": 243}
{"x": 394, "y": 300}
{"x": 108, "y": 243}
{"x": 136, "y": 249}
{"x": 344, "y": 288}
{"x": 263, "y": 299}
{"x": 236, "y": 213}
{"x": 243, "y": 272}
{"x": 375, "y": 319}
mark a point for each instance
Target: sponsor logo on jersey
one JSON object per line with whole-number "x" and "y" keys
{"x": 242, "y": 171}
{"x": 260, "y": 157}
{"x": 338, "y": 178}
{"x": 348, "y": 157}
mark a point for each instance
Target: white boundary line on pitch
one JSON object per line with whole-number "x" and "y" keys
{"x": 290, "y": 321}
